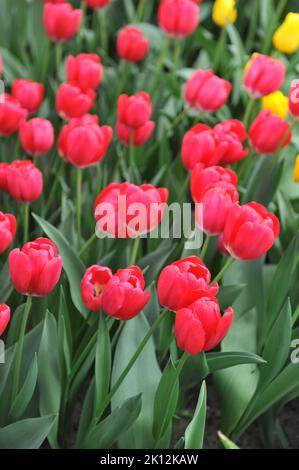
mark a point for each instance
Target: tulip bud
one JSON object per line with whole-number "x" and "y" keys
{"x": 136, "y": 137}
{"x": 263, "y": 75}
{"x": 24, "y": 181}
{"x": 8, "y": 227}
{"x": 199, "y": 147}
{"x": 84, "y": 71}
{"x": 183, "y": 276}
{"x": 95, "y": 4}
{"x": 93, "y": 285}
{"x": 294, "y": 100}
{"x": 286, "y": 38}
{"x": 206, "y": 92}
{"x": 72, "y": 102}
{"x": 4, "y": 317}
{"x": 230, "y": 136}
{"x": 224, "y": 12}
{"x": 178, "y": 18}
{"x": 29, "y": 94}
{"x": 131, "y": 44}
{"x": 203, "y": 178}
{"x": 268, "y": 133}
{"x": 199, "y": 325}
{"x": 277, "y": 103}
{"x": 296, "y": 170}
{"x": 124, "y": 296}
{"x": 134, "y": 111}
{"x": 83, "y": 143}
{"x": 250, "y": 231}
{"x": 37, "y": 136}
{"x": 61, "y": 21}
{"x": 11, "y": 114}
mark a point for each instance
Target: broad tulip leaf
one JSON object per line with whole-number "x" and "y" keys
{"x": 102, "y": 362}
{"x": 224, "y": 360}
{"x": 25, "y": 394}
{"x": 26, "y": 434}
{"x": 194, "y": 434}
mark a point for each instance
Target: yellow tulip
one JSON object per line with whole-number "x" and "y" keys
{"x": 224, "y": 12}
{"x": 296, "y": 170}
{"x": 277, "y": 103}
{"x": 286, "y": 38}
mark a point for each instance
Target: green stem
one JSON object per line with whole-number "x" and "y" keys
{"x": 103, "y": 31}
{"x": 26, "y": 223}
{"x": 205, "y": 247}
{"x": 79, "y": 206}
{"x": 253, "y": 26}
{"x": 176, "y": 56}
{"x": 220, "y": 48}
{"x": 160, "y": 63}
{"x": 132, "y": 152}
{"x": 177, "y": 120}
{"x": 85, "y": 353}
{"x": 221, "y": 273}
{"x": 19, "y": 349}
{"x": 58, "y": 58}
{"x": 275, "y": 19}
{"x": 248, "y": 112}
{"x": 88, "y": 244}
{"x": 140, "y": 11}
{"x": 135, "y": 250}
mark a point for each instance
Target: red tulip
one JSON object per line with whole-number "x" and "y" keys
{"x": 11, "y": 114}
{"x": 24, "y": 181}
{"x": 55, "y": 1}
{"x": 84, "y": 71}
{"x": 36, "y": 268}
{"x": 83, "y": 143}
{"x": 199, "y": 325}
{"x": 250, "y": 231}
{"x": 206, "y": 92}
{"x": 93, "y": 285}
{"x": 178, "y": 18}
{"x": 61, "y": 21}
{"x": 136, "y": 137}
{"x": 269, "y": 133}
{"x": 202, "y": 179}
{"x": 97, "y": 3}
{"x": 8, "y": 226}
{"x": 4, "y": 168}
{"x": 37, "y": 136}
{"x": 199, "y": 147}
{"x": 29, "y": 94}
{"x": 263, "y": 75}
{"x": 134, "y": 111}
{"x": 116, "y": 207}
{"x": 294, "y": 100}
{"x": 4, "y": 317}
{"x": 131, "y": 44}
{"x": 183, "y": 276}
{"x": 230, "y": 136}
{"x": 124, "y": 296}
{"x": 72, "y": 102}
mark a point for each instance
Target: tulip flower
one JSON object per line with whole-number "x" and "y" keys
{"x": 95, "y": 4}
{"x": 85, "y": 71}
{"x": 183, "y": 276}
{"x": 37, "y": 136}
{"x": 206, "y": 92}
{"x": 277, "y": 103}
{"x": 263, "y": 75}
{"x": 230, "y": 136}
{"x": 136, "y": 137}
{"x": 296, "y": 170}
{"x": 224, "y": 12}
{"x": 93, "y": 285}
{"x": 4, "y": 317}
{"x": 250, "y": 231}
{"x": 8, "y": 226}
{"x": 134, "y": 111}
{"x": 36, "y": 268}
{"x": 199, "y": 325}
{"x": 29, "y": 94}
{"x": 204, "y": 178}
{"x": 268, "y": 133}
{"x": 55, "y": 1}
{"x": 83, "y": 143}
{"x": 124, "y": 296}
{"x": 61, "y": 21}
{"x": 11, "y": 114}
{"x": 294, "y": 100}
{"x": 116, "y": 206}
{"x": 24, "y": 182}
{"x": 131, "y": 44}
{"x": 178, "y": 18}
{"x": 286, "y": 38}
{"x": 72, "y": 102}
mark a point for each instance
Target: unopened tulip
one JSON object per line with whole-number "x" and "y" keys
{"x": 134, "y": 111}
{"x": 11, "y": 114}
{"x": 115, "y": 209}
{"x": 296, "y": 170}
{"x": 124, "y": 296}
{"x": 286, "y": 38}
{"x": 95, "y": 4}
{"x": 199, "y": 147}
{"x": 37, "y": 136}
{"x": 8, "y": 227}
{"x": 178, "y": 18}
{"x": 93, "y": 285}
{"x": 72, "y": 102}
{"x": 268, "y": 133}
{"x": 203, "y": 178}
{"x": 4, "y": 317}
{"x": 294, "y": 100}
{"x": 136, "y": 137}
{"x": 61, "y": 21}
{"x": 36, "y": 268}
{"x": 277, "y": 103}
{"x": 84, "y": 71}
{"x": 230, "y": 136}
{"x": 224, "y": 12}
{"x": 183, "y": 276}
{"x": 206, "y": 92}
{"x": 199, "y": 325}
{"x": 29, "y": 94}
{"x": 263, "y": 75}
{"x": 131, "y": 44}
{"x": 83, "y": 143}
{"x": 24, "y": 181}
{"x": 250, "y": 231}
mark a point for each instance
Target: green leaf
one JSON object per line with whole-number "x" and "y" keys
{"x": 72, "y": 265}
{"x": 26, "y": 434}
{"x": 25, "y": 394}
{"x": 226, "y": 442}
{"x": 6, "y": 287}
{"x": 102, "y": 362}
{"x": 224, "y": 360}
{"x": 229, "y": 294}
{"x": 194, "y": 434}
